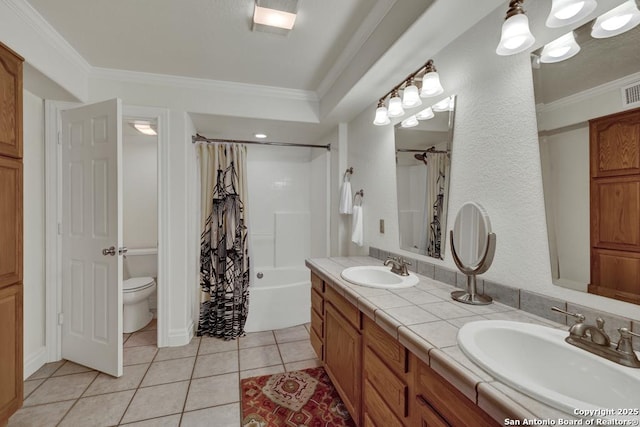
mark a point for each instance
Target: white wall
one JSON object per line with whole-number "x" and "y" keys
{"x": 34, "y": 253}
{"x": 140, "y": 190}
{"x": 566, "y": 170}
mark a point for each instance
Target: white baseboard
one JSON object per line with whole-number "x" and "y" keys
{"x": 180, "y": 337}
{"x": 34, "y": 361}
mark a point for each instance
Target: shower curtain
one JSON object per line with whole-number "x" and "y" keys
{"x": 431, "y": 237}
{"x": 224, "y": 244}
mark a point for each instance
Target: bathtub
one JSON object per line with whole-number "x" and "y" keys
{"x": 280, "y": 299}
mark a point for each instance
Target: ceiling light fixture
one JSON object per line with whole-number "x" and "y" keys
{"x": 274, "y": 16}
{"x": 144, "y": 128}
{"x": 410, "y": 97}
{"x": 516, "y": 36}
{"x": 567, "y": 12}
{"x": 617, "y": 21}
{"x": 260, "y": 135}
{"x": 560, "y": 49}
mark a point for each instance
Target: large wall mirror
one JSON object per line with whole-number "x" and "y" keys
{"x": 423, "y": 163}
{"x": 568, "y": 94}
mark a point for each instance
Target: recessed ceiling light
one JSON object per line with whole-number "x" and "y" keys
{"x": 260, "y": 135}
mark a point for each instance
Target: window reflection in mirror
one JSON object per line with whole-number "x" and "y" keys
{"x": 569, "y": 94}
{"x": 423, "y": 163}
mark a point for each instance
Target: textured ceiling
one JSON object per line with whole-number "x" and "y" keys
{"x": 209, "y": 39}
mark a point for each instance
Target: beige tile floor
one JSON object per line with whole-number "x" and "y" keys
{"x": 194, "y": 385}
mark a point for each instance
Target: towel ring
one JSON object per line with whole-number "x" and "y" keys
{"x": 358, "y": 193}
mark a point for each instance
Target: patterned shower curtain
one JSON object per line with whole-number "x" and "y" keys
{"x": 224, "y": 246}
{"x": 431, "y": 237}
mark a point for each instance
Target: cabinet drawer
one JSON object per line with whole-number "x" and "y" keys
{"x": 447, "y": 401}
{"x": 391, "y": 389}
{"x": 317, "y": 283}
{"x": 317, "y": 323}
{"x": 376, "y": 409}
{"x": 348, "y": 310}
{"x": 316, "y": 343}
{"x": 317, "y": 302}
{"x": 386, "y": 347}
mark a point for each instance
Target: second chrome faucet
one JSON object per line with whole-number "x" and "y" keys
{"x": 594, "y": 339}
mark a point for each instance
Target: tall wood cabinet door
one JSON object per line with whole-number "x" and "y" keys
{"x": 10, "y": 350}
{"x": 10, "y": 221}
{"x": 342, "y": 356}
{"x": 10, "y": 103}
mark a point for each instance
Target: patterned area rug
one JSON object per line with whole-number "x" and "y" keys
{"x": 297, "y": 399}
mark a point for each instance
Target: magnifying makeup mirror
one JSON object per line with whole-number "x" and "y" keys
{"x": 472, "y": 246}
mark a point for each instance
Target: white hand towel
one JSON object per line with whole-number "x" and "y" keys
{"x": 346, "y": 200}
{"x": 357, "y": 226}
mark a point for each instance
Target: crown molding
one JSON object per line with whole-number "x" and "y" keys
{"x": 40, "y": 26}
{"x": 196, "y": 83}
{"x": 587, "y": 94}
{"x": 362, "y": 34}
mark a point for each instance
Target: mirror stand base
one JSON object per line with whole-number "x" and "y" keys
{"x": 474, "y": 299}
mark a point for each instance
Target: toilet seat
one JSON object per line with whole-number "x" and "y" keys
{"x": 137, "y": 284}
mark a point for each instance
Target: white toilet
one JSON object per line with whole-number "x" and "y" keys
{"x": 136, "y": 292}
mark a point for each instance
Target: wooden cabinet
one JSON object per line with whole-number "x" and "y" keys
{"x": 438, "y": 403}
{"x": 342, "y": 350}
{"x": 10, "y": 233}
{"x": 615, "y": 206}
{"x": 381, "y": 383}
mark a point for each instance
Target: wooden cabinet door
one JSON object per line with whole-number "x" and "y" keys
{"x": 10, "y": 221}
{"x": 342, "y": 354}
{"x": 10, "y": 350}
{"x": 427, "y": 416}
{"x": 615, "y": 206}
{"x": 10, "y": 103}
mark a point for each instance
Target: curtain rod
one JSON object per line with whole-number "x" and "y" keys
{"x": 199, "y": 138}
{"x": 428, "y": 150}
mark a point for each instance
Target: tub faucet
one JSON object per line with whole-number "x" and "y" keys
{"x": 594, "y": 339}
{"x": 398, "y": 265}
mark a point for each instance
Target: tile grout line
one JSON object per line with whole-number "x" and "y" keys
{"x": 78, "y": 398}
{"x": 193, "y": 369}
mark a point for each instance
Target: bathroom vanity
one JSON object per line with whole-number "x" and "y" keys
{"x": 383, "y": 370}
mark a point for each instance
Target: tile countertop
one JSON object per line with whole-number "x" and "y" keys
{"x": 426, "y": 320}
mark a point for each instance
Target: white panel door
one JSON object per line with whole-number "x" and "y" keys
{"x": 91, "y": 223}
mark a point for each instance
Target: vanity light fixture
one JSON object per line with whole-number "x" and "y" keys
{"x": 560, "y": 49}
{"x": 395, "y": 105}
{"x": 617, "y": 21}
{"x": 516, "y": 36}
{"x": 567, "y": 12}
{"x": 425, "y": 114}
{"x": 409, "y": 122}
{"x": 444, "y": 105}
{"x": 410, "y": 94}
{"x": 382, "y": 116}
{"x": 431, "y": 86}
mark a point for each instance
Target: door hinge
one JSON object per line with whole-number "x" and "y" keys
{"x": 59, "y": 138}
{"x": 60, "y": 229}
{"x": 60, "y": 318}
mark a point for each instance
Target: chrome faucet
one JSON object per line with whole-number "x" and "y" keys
{"x": 398, "y": 265}
{"x": 594, "y": 339}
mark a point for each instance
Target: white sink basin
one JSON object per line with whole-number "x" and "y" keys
{"x": 378, "y": 277}
{"x": 537, "y": 361}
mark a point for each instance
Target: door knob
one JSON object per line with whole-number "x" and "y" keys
{"x": 111, "y": 251}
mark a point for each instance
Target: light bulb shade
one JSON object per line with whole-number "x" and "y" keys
{"x": 382, "y": 118}
{"x": 411, "y": 97}
{"x": 444, "y": 105}
{"x": 560, "y": 49}
{"x": 425, "y": 114}
{"x": 516, "y": 36}
{"x": 567, "y": 12}
{"x": 431, "y": 85}
{"x": 617, "y": 21}
{"x": 395, "y": 107}
{"x": 409, "y": 122}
